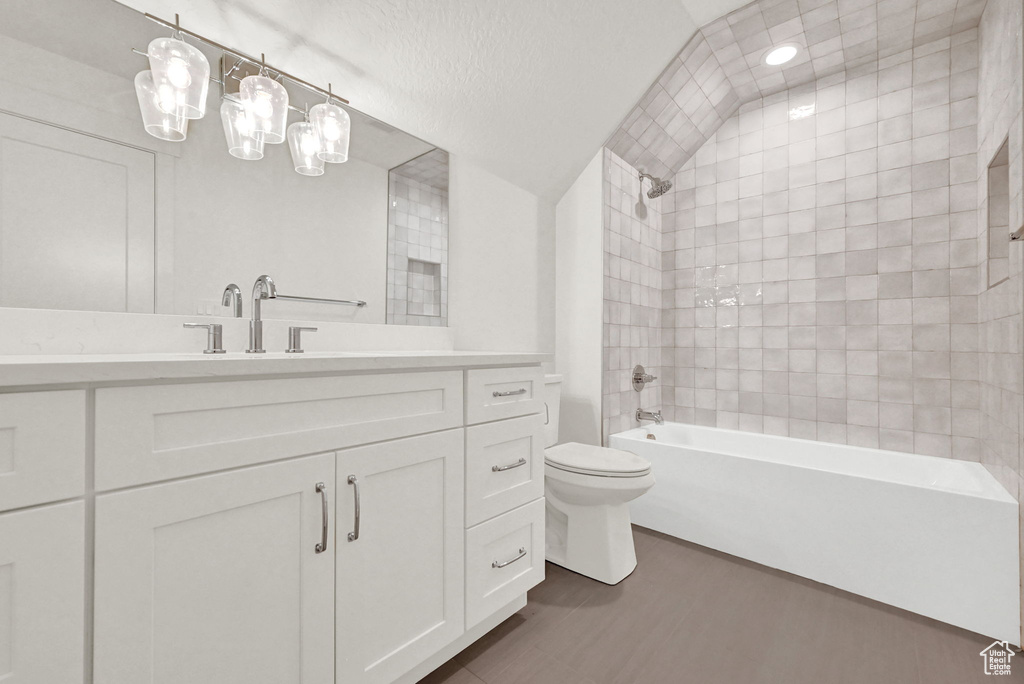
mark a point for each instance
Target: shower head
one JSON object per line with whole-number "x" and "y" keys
{"x": 658, "y": 187}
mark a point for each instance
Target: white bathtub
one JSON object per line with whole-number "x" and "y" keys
{"x": 934, "y": 536}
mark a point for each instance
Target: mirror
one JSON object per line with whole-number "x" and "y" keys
{"x": 97, "y": 215}
{"x": 418, "y": 241}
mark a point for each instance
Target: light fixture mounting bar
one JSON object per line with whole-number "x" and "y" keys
{"x": 233, "y": 70}
{"x": 252, "y": 60}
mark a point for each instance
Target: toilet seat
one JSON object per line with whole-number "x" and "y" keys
{"x": 586, "y": 459}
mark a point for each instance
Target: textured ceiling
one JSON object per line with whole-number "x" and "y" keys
{"x": 528, "y": 89}
{"x": 720, "y": 68}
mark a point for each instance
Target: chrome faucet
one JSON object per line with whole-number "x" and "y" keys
{"x": 263, "y": 288}
{"x": 642, "y": 415}
{"x": 232, "y": 297}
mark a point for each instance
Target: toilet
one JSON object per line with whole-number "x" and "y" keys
{"x": 588, "y": 489}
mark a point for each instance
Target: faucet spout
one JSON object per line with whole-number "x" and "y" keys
{"x": 232, "y": 297}
{"x": 263, "y": 288}
{"x": 642, "y": 415}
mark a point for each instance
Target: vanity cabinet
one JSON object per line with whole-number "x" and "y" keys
{"x": 217, "y": 579}
{"x": 42, "y": 594}
{"x": 355, "y": 527}
{"x": 400, "y": 565}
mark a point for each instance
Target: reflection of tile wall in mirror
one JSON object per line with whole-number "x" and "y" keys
{"x": 418, "y": 241}
{"x": 197, "y": 218}
{"x": 423, "y": 291}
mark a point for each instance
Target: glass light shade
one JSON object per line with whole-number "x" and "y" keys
{"x": 158, "y": 121}
{"x": 333, "y": 125}
{"x": 184, "y": 71}
{"x": 239, "y": 131}
{"x": 267, "y": 101}
{"x": 304, "y": 144}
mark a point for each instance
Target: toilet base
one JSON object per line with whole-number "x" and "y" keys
{"x": 594, "y": 541}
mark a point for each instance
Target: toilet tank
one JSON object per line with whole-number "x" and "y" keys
{"x": 552, "y": 399}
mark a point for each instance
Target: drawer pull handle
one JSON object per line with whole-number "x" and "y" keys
{"x": 510, "y": 393}
{"x": 510, "y": 466}
{"x": 354, "y": 534}
{"x": 522, "y": 552}
{"x": 322, "y": 489}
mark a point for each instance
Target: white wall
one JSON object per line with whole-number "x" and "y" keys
{"x": 501, "y": 278}
{"x": 579, "y": 272}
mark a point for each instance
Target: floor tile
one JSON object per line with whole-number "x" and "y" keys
{"x": 537, "y": 667}
{"x": 547, "y": 606}
{"x": 692, "y": 614}
{"x": 451, "y": 673}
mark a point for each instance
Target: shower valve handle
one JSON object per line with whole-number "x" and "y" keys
{"x": 641, "y": 377}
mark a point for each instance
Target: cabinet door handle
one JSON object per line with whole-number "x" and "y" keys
{"x": 510, "y": 561}
{"x": 510, "y": 393}
{"x": 322, "y": 489}
{"x": 354, "y": 534}
{"x": 510, "y": 466}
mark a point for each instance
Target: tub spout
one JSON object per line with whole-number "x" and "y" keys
{"x": 642, "y": 415}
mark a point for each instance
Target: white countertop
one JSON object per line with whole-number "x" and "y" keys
{"x": 43, "y": 369}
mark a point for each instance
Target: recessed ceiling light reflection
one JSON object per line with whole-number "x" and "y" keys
{"x": 780, "y": 55}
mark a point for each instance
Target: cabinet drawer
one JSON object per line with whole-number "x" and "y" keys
{"x": 147, "y": 434}
{"x": 504, "y": 559}
{"x": 504, "y": 466}
{"x": 497, "y": 393}
{"x": 42, "y": 447}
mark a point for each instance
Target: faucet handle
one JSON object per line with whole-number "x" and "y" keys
{"x": 214, "y": 336}
{"x": 295, "y": 339}
{"x": 641, "y": 377}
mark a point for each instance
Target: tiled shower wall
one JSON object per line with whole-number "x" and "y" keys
{"x": 1000, "y": 333}
{"x": 822, "y": 265}
{"x": 721, "y": 67}
{"x": 681, "y": 110}
{"x": 999, "y": 311}
{"x": 825, "y": 260}
{"x": 632, "y": 296}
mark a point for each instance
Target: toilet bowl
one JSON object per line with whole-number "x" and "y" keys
{"x": 588, "y": 489}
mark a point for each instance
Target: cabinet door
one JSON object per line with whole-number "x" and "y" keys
{"x": 42, "y": 594}
{"x": 217, "y": 579}
{"x": 400, "y": 582}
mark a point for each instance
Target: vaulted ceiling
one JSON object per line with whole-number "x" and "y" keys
{"x": 529, "y": 89}
{"x": 721, "y": 67}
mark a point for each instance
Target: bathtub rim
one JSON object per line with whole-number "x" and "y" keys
{"x": 994, "y": 491}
